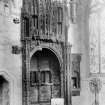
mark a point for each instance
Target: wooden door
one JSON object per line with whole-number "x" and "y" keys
{"x": 44, "y": 79}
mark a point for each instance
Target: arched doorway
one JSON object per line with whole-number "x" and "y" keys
{"x": 45, "y": 79}
{"x": 4, "y": 91}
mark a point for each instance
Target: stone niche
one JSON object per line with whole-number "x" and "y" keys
{"x": 4, "y": 91}
{"x": 75, "y": 59}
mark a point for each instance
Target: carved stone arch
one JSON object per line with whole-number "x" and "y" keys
{"x": 59, "y": 58}
{"x": 46, "y": 63}
{"x": 10, "y": 81}
{"x": 49, "y": 48}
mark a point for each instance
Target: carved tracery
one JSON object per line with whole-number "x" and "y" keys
{"x": 46, "y": 30}
{"x": 46, "y": 19}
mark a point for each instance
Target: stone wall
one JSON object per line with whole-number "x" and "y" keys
{"x": 87, "y": 38}
{"x": 10, "y": 64}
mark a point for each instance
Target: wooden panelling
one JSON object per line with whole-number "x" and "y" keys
{"x": 34, "y": 94}
{"x": 44, "y": 93}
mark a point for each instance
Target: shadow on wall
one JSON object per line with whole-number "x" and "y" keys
{"x": 4, "y": 91}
